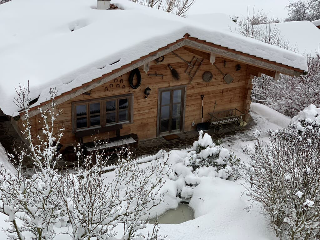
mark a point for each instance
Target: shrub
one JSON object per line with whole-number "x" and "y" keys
{"x": 289, "y": 95}
{"x": 207, "y": 154}
{"x": 85, "y": 201}
{"x": 284, "y": 176}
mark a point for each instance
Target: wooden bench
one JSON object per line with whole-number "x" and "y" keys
{"x": 108, "y": 145}
{"x": 130, "y": 140}
{"x": 226, "y": 116}
{"x": 111, "y": 147}
{"x": 231, "y": 119}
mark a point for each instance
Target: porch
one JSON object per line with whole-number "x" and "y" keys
{"x": 185, "y": 139}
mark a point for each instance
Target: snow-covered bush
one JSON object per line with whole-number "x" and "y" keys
{"x": 205, "y": 159}
{"x": 34, "y": 204}
{"x": 85, "y": 203}
{"x": 4, "y": 1}
{"x": 284, "y": 176}
{"x": 289, "y": 95}
{"x": 178, "y": 7}
{"x": 95, "y": 205}
{"x": 304, "y": 10}
{"x": 207, "y": 154}
{"x": 260, "y": 27}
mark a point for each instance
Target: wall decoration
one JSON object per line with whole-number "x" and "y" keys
{"x": 226, "y": 77}
{"x": 133, "y": 73}
{"x": 159, "y": 59}
{"x": 147, "y": 92}
{"x": 174, "y": 72}
{"x": 156, "y": 75}
{"x": 207, "y": 76}
{"x": 193, "y": 65}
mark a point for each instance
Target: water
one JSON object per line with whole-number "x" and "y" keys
{"x": 179, "y": 215}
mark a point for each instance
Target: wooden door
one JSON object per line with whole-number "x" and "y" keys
{"x": 171, "y": 110}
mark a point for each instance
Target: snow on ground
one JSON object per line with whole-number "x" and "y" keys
{"x": 220, "y": 211}
{"x": 66, "y": 43}
{"x": 271, "y": 115}
{"x": 5, "y": 161}
{"x": 220, "y": 205}
{"x": 317, "y": 22}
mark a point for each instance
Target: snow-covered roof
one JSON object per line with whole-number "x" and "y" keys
{"x": 66, "y": 43}
{"x": 316, "y": 22}
{"x": 216, "y": 21}
{"x": 302, "y": 36}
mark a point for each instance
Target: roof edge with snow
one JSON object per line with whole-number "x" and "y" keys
{"x": 189, "y": 41}
{"x": 317, "y": 23}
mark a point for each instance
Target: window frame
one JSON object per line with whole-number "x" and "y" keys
{"x": 183, "y": 107}
{"x": 103, "y": 112}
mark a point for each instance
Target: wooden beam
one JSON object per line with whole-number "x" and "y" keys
{"x": 197, "y": 52}
{"x": 255, "y": 71}
{"x": 90, "y": 132}
{"x": 242, "y": 58}
{"x": 247, "y": 99}
{"x": 212, "y": 58}
{"x": 146, "y": 67}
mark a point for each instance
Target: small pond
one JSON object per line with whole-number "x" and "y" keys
{"x": 179, "y": 215}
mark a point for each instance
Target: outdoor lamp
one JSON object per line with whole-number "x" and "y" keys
{"x": 147, "y": 92}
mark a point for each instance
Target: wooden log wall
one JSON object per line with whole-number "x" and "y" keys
{"x": 217, "y": 94}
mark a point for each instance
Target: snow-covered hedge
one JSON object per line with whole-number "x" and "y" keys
{"x": 207, "y": 154}
{"x": 289, "y": 95}
{"x": 284, "y": 176}
{"x": 204, "y": 159}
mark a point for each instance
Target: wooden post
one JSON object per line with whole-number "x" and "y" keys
{"x": 247, "y": 99}
{"x": 146, "y": 67}
{"x": 212, "y": 58}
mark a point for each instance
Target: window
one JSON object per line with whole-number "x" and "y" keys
{"x": 171, "y": 110}
{"x": 102, "y": 112}
{"x": 117, "y": 110}
{"x": 85, "y": 120}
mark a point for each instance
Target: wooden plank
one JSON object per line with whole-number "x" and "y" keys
{"x": 94, "y": 131}
{"x": 255, "y": 61}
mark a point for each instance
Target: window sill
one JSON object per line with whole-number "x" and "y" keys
{"x": 96, "y": 130}
{"x": 119, "y": 123}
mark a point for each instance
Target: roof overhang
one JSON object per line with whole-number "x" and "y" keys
{"x": 266, "y": 66}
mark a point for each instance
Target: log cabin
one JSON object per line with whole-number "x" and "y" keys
{"x": 147, "y": 75}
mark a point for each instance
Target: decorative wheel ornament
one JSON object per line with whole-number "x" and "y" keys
{"x": 135, "y": 72}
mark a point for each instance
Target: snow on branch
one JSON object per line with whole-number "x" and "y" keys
{"x": 178, "y": 7}
{"x": 85, "y": 203}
